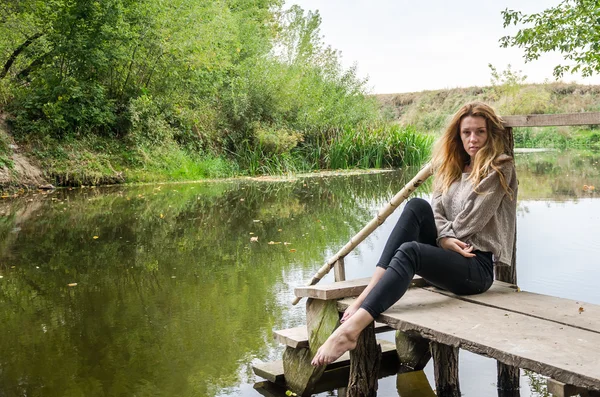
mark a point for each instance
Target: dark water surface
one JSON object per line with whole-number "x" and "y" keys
{"x": 172, "y": 298}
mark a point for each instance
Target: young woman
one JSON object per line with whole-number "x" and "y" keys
{"x": 454, "y": 242}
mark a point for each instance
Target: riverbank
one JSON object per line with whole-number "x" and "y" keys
{"x": 410, "y": 122}
{"x": 96, "y": 160}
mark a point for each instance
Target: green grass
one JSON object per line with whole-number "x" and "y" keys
{"x": 557, "y": 137}
{"x": 384, "y": 146}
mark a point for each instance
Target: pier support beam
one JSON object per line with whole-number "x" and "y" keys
{"x": 559, "y": 389}
{"x": 365, "y": 360}
{"x": 445, "y": 369}
{"x": 322, "y": 319}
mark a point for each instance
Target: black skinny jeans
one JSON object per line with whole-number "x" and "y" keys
{"x": 411, "y": 249}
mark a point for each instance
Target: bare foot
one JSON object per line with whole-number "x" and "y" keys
{"x": 337, "y": 344}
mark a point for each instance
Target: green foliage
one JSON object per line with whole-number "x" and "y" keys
{"x": 569, "y": 28}
{"x": 380, "y": 147}
{"x": 556, "y": 137}
{"x": 511, "y": 96}
{"x": 243, "y": 79}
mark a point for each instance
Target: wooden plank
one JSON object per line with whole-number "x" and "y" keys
{"x": 342, "y": 289}
{"x": 549, "y": 120}
{"x": 567, "y": 354}
{"x": 559, "y": 310}
{"x": 273, "y": 371}
{"x": 297, "y": 337}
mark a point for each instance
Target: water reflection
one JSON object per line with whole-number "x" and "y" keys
{"x": 174, "y": 299}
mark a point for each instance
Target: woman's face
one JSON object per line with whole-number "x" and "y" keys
{"x": 473, "y": 134}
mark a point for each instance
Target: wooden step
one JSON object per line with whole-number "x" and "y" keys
{"x": 273, "y": 371}
{"x": 298, "y": 337}
{"x": 343, "y": 289}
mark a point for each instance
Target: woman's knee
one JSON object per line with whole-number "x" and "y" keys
{"x": 407, "y": 255}
{"x": 418, "y": 205}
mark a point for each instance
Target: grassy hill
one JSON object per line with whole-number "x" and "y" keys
{"x": 429, "y": 111}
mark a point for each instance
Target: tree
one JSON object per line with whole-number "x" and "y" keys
{"x": 571, "y": 28}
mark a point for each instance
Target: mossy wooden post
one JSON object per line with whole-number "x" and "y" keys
{"x": 445, "y": 369}
{"x": 365, "y": 361}
{"x": 322, "y": 319}
{"x": 508, "y": 375}
{"x": 413, "y": 351}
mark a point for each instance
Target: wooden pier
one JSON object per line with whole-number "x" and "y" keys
{"x": 557, "y": 338}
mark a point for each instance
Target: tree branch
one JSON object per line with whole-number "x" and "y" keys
{"x": 17, "y": 52}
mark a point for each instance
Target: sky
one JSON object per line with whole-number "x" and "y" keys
{"x": 416, "y": 45}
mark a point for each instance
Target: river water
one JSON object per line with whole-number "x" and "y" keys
{"x": 174, "y": 290}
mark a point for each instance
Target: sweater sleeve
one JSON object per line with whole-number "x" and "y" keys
{"x": 443, "y": 225}
{"x": 479, "y": 205}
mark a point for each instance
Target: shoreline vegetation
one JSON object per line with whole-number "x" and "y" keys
{"x": 96, "y": 93}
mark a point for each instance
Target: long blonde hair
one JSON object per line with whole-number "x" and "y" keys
{"x": 449, "y": 156}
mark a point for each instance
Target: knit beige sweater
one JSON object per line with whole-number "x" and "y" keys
{"x": 487, "y": 219}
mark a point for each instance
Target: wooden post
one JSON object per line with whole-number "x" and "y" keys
{"x": 413, "y": 351}
{"x": 322, "y": 319}
{"x": 559, "y": 389}
{"x": 445, "y": 369}
{"x": 365, "y": 360}
{"x": 508, "y": 376}
{"x": 339, "y": 270}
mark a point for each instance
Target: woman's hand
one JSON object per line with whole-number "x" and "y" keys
{"x": 350, "y": 310}
{"x": 454, "y": 244}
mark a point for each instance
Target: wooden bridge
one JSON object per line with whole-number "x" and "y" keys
{"x": 557, "y": 338}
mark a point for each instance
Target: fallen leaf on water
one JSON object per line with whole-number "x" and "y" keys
{"x": 72, "y": 284}
{"x": 254, "y": 239}
{"x": 96, "y": 237}
{"x": 581, "y": 309}
{"x": 292, "y": 250}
